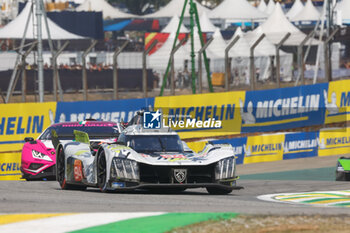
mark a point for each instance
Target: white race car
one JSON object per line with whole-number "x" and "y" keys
{"x": 144, "y": 159}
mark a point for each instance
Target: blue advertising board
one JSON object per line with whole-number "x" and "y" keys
{"x": 113, "y": 110}
{"x": 300, "y": 145}
{"x": 279, "y": 109}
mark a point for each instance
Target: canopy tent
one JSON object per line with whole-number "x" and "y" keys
{"x": 265, "y": 47}
{"x": 309, "y": 13}
{"x": 277, "y": 26}
{"x": 241, "y": 48}
{"x": 173, "y": 24}
{"x": 197, "y": 43}
{"x": 217, "y": 47}
{"x": 270, "y": 7}
{"x": 206, "y": 24}
{"x": 295, "y": 9}
{"x": 159, "y": 60}
{"x": 175, "y": 7}
{"x": 262, "y": 6}
{"x": 15, "y": 29}
{"x": 268, "y": 50}
{"x": 107, "y": 10}
{"x": 236, "y": 10}
{"x": 344, "y": 8}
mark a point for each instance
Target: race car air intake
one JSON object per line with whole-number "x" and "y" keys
{"x": 225, "y": 168}
{"x": 125, "y": 169}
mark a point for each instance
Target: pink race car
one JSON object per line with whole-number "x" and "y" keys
{"x": 39, "y": 156}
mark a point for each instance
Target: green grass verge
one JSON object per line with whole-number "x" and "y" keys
{"x": 157, "y": 224}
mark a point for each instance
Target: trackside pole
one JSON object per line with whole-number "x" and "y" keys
{"x": 227, "y": 64}
{"x": 278, "y": 63}
{"x": 55, "y": 71}
{"x": 85, "y": 84}
{"x": 144, "y": 67}
{"x": 172, "y": 81}
{"x": 115, "y": 69}
{"x": 252, "y": 65}
{"x": 202, "y": 50}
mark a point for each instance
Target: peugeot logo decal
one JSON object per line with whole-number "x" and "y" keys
{"x": 180, "y": 175}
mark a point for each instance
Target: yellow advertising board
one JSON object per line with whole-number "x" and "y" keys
{"x": 10, "y": 164}
{"x": 334, "y": 142}
{"x": 18, "y": 121}
{"x": 218, "y": 112}
{"x": 337, "y": 102}
{"x": 264, "y": 148}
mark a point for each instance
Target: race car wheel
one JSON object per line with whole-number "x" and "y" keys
{"x": 218, "y": 191}
{"x": 102, "y": 172}
{"x": 61, "y": 178}
{"x": 342, "y": 176}
{"x": 61, "y": 168}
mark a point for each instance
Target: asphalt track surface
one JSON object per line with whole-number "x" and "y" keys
{"x": 47, "y": 197}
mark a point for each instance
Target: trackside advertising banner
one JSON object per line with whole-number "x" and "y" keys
{"x": 334, "y": 142}
{"x": 202, "y": 115}
{"x": 114, "y": 110}
{"x": 283, "y": 146}
{"x": 10, "y": 164}
{"x": 337, "y": 101}
{"x": 286, "y": 108}
{"x": 18, "y": 121}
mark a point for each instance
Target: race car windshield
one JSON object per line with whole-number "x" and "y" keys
{"x": 94, "y": 132}
{"x": 155, "y": 143}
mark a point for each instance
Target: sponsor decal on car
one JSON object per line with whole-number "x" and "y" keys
{"x": 78, "y": 171}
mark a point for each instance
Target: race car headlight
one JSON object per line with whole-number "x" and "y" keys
{"x": 225, "y": 168}
{"x": 39, "y": 155}
{"x": 340, "y": 167}
{"x": 125, "y": 169}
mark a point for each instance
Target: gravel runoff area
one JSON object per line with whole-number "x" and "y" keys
{"x": 272, "y": 224}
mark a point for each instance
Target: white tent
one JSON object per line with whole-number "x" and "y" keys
{"x": 241, "y": 48}
{"x": 173, "y": 24}
{"x": 240, "y": 54}
{"x": 159, "y": 60}
{"x": 265, "y": 47}
{"x": 197, "y": 43}
{"x": 268, "y": 50}
{"x": 344, "y": 8}
{"x": 262, "y": 6}
{"x": 108, "y": 11}
{"x": 15, "y": 29}
{"x": 295, "y": 9}
{"x": 270, "y": 7}
{"x": 217, "y": 47}
{"x": 309, "y": 13}
{"x": 175, "y": 7}
{"x": 236, "y": 10}
{"x": 206, "y": 25}
{"x": 277, "y": 26}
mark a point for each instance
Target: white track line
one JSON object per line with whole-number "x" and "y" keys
{"x": 70, "y": 222}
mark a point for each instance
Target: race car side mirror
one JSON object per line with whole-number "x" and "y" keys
{"x": 28, "y": 139}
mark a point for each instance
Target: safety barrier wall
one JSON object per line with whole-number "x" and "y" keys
{"x": 18, "y": 121}
{"x": 262, "y": 111}
{"x": 239, "y": 111}
{"x": 284, "y": 146}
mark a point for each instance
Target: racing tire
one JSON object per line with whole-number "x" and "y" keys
{"x": 218, "y": 191}
{"x": 61, "y": 170}
{"x": 342, "y": 176}
{"x": 102, "y": 172}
